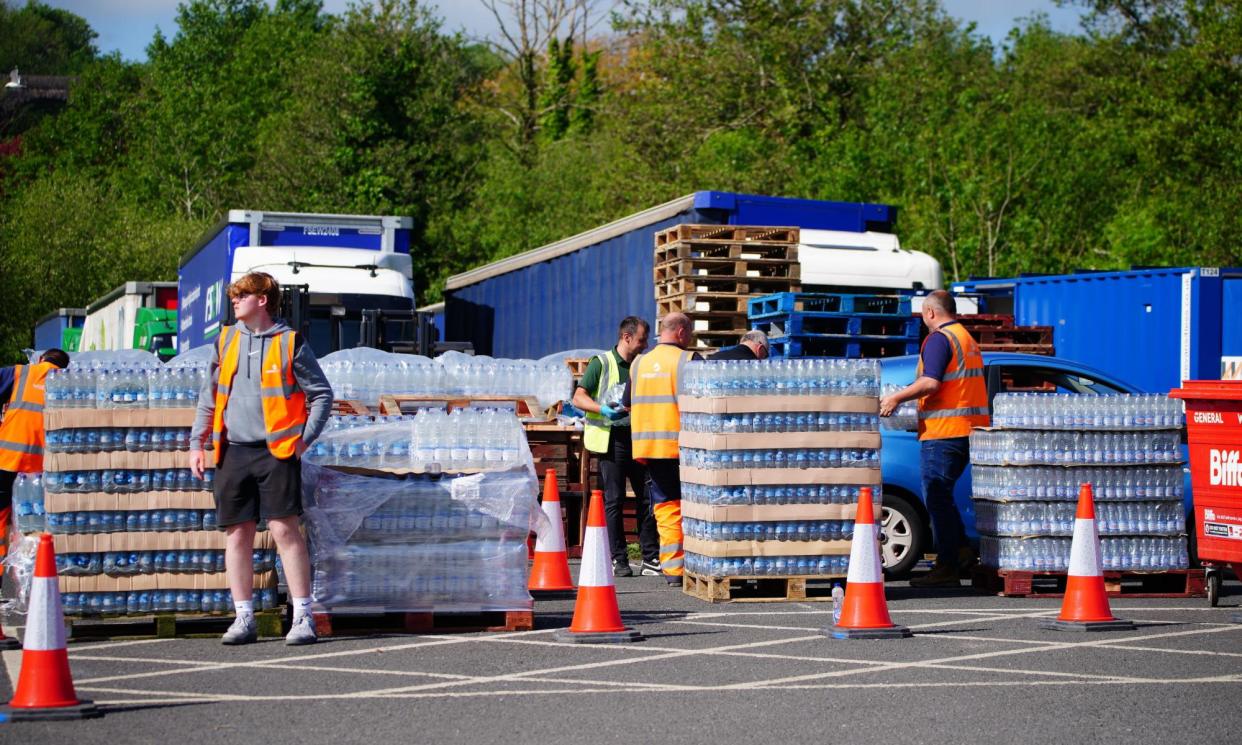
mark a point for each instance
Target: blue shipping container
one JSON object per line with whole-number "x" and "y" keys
{"x": 1152, "y": 327}
{"x": 49, "y": 331}
{"x": 572, "y": 294}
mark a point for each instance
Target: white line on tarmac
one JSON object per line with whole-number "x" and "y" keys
{"x": 162, "y": 697}
{"x": 89, "y": 647}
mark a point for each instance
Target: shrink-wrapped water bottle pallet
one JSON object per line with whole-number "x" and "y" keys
{"x": 358, "y": 623}
{"x": 766, "y": 589}
{"x": 1021, "y": 583}
{"x": 167, "y": 625}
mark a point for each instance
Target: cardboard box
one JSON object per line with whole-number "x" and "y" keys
{"x": 74, "y": 418}
{"x": 762, "y": 512}
{"x": 731, "y": 549}
{"x": 145, "y": 500}
{"x": 189, "y": 540}
{"x": 780, "y": 476}
{"x": 142, "y": 582}
{"x": 774, "y": 404}
{"x": 779, "y": 440}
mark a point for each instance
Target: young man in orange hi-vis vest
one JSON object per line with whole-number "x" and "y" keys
{"x": 264, "y": 403}
{"x": 21, "y": 430}
{"x": 953, "y": 399}
{"x": 655, "y": 422}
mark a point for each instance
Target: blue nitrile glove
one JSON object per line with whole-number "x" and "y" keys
{"x": 611, "y": 413}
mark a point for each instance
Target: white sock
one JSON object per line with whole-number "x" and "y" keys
{"x": 244, "y": 607}
{"x": 301, "y": 607}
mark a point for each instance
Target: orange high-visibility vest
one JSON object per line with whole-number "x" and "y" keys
{"x": 962, "y": 401}
{"x": 655, "y": 420}
{"x": 21, "y": 434}
{"x": 284, "y": 403}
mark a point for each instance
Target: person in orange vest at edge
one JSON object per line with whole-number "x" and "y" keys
{"x": 953, "y": 398}
{"x": 655, "y": 422}
{"x": 264, "y": 403}
{"x": 22, "y": 388}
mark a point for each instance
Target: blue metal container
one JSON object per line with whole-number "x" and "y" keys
{"x": 49, "y": 331}
{"x": 1153, "y": 327}
{"x": 572, "y": 294}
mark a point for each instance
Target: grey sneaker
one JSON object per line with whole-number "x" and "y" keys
{"x": 302, "y": 632}
{"x": 245, "y": 630}
{"x": 651, "y": 569}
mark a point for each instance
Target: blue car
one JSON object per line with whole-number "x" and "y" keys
{"x": 907, "y": 531}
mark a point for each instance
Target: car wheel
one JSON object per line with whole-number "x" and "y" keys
{"x": 902, "y": 541}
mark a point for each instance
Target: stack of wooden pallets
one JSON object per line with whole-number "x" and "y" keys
{"x": 710, "y": 272}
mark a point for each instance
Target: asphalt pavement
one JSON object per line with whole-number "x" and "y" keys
{"x": 978, "y": 669}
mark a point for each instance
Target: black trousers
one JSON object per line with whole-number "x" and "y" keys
{"x": 615, "y": 467}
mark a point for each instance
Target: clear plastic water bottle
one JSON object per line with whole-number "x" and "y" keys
{"x": 838, "y": 602}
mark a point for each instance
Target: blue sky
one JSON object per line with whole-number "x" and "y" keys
{"x": 128, "y": 25}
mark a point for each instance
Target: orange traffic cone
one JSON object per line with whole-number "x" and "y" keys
{"x": 45, "y": 686}
{"x": 864, "y": 615}
{"x": 597, "y": 619}
{"x": 550, "y": 572}
{"x": 1085, "y": 606}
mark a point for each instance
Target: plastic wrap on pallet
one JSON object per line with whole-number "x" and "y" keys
{"x": 417, "y": 538}
{"x": 1051, "y": 554}
{"x": 365, "y": 374}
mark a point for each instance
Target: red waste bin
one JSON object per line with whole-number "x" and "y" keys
{"x": 1214, "y": 432}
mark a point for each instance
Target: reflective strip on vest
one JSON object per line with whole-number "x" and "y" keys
{"x": 961, "y": 403}
{"x": 653, "y": 400}
{"x": 942, "y": 413}
{"x": 21, "y": 447}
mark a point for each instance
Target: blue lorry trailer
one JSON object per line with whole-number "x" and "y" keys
{"x": 346, "y": 263}
{"x": 571, "y": 294}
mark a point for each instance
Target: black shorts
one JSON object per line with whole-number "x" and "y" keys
{"x": 252, "y": 483}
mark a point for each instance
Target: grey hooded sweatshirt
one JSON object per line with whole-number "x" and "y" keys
{"x": 243, "y": 419}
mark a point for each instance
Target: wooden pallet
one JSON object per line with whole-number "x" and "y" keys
{"x": 713, "y": 340}
{"x": 726, "y": 268}
{"x": 1018, "y": 583}
{"x": 347, "y": 406}
{"x": 577, "y": 366}
{"x": 700, "y": 302}
{"x": 527, "y": 407}
{"x": 983, "y": 320}
{"x": 721, "y": 249}
{"x": 725, "y": 285}
{"x": 758, "y": 589}
{"x": 727, "y": 233}
{"x": 167, "y": 625}
{"x": 1044, "y": 349}
{"x": 719, "y": 323}
{"x": 361, "y": 624}
{"x": 1014, "y": 335}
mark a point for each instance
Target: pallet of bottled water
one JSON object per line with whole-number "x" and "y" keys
{"x": 773, "y": 455}
{"x": 422, "y": 513}
{"x": 1012, "y": 519}
{"x": 1066, "y": 411}
{"x": 1051, "y": 554}
{"x": 364, "y": 375}
{"x": 1061, "y": 483}
{"x": 1028, "y": 469}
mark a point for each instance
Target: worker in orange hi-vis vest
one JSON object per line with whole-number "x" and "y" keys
{"x": 655, "y": 422}
{"x": 21, "y": 430}
{"x": 264, "y": 403}
{"x": 953, "y": 399}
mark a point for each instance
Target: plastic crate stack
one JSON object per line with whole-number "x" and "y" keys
{"x": 428, "y": 513}
{"x": 1027, "y": 470}
{"x": 773, "y": 454}
{"x": 134, "y": 531}
{"x": 710, "y": 272}
{"x": 836, "y": 325}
